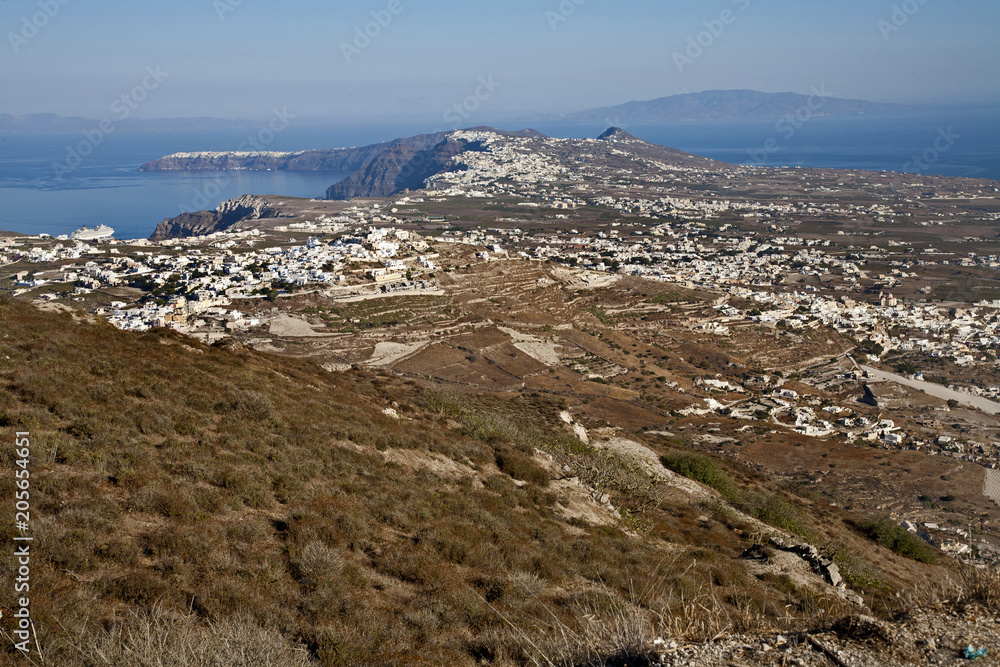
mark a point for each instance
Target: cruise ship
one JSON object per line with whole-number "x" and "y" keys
{"x": 96, "y": 234}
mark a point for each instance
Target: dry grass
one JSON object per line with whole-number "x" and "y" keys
{"x": 202, "y": 503}
{"x": 158, "y": 638}
{"x": 960, "y": 589}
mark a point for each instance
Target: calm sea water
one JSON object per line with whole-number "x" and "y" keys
{"x": 107, "y": 188}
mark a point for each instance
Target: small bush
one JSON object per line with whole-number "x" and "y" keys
{"x": 775, "y": 510}
{"x": 896, "y": 538}
{"x": 318, "y": 562}
{"x": 519, "y": 466}
{"x": 701, "y": 469}
{"x": 250, "y": 405}
{"x": 491, "y": 427}
{"x": 770, "y": 508}
{"x": 979, "y": 586}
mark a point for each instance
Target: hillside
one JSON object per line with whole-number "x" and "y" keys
{"x": 719, "y": 105}
{"x": 218, "y": 501}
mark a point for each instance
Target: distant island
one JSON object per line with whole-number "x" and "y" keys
{"x": 333, "y": 159}
{"x": 721, "y": 105}
{"x": 704, "y": 106}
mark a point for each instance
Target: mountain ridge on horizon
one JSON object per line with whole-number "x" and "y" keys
{"x": 720, "y": 105}
{"x": 706, "y": 105}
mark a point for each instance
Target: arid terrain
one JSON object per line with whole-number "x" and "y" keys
{"x": 570, "y": 403}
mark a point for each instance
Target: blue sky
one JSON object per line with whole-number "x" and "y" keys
{"x": 243, "y": 58}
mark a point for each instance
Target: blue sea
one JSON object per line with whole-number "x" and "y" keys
{"x": 105, "y": 186}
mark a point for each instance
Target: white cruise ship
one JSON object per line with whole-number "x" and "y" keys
{"x": 96, "y": 234}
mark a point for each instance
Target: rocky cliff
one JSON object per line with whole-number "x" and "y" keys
{"x": 407, "y": 164}
{"x": 402, "y": 168}
{"x": 199, "y": 223}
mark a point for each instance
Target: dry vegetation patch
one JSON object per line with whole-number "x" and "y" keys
{"x": 251, "y": 504}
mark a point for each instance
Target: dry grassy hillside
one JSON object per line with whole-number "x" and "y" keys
{"x": 216, "y": 505}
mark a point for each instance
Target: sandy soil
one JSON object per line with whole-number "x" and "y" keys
{"x": 389, "y": 353}
{"x": 650, "y": 462}
{"x": 380, "y": 295}
{"x": 991, "y": 489}
{"x": 286, "y": 325}
{"x": 436, "y": 463}
{"x": 580, "y": 503}
{"x": 534, "y": 347}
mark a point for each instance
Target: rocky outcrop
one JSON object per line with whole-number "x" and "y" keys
{"x": 820, "y": 564}
{"x": 229, "y": 213}
{"x": 618, "y": 134}
{"x": 225, "y": 161}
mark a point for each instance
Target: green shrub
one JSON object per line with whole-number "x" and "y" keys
{"x": 896, "y": 538}
{"x": 701, "y": 469}
{"x": 770, "y": 508}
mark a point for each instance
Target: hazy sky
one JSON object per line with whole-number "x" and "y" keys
{"x": 242, "y": 58}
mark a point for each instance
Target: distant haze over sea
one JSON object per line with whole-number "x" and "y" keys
{"x": 726, "y": 105}
{"x": 106, "y": 187}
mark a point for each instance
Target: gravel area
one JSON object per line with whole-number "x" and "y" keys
{"x": 923, "y": 638}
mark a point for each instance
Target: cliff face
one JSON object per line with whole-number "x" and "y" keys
{"x": 199, "y": 223}
{"x": 403, "y": 167}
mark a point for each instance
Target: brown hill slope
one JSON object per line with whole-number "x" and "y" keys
{"x": 229, "y": 501}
